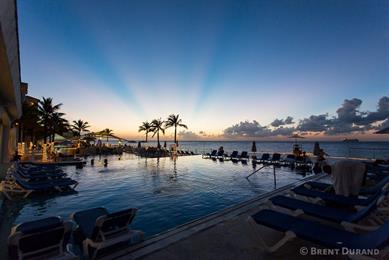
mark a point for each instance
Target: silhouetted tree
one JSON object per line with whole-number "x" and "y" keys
{"x": 107, "y": 132}
{"x": 29, "y": 121}
{"x": 80, "y": 126}
{"x": 157, "y": 125}
{"x": 46, "y": 111}
{"x": 146, "y": 127}
{"x": 58, "y": 124}
{"x": 173, "y": 120}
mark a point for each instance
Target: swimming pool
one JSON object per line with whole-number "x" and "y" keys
{"x": 168, "y": 192}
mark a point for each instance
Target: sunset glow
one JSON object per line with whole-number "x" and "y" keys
{"x": 119, "y": 63}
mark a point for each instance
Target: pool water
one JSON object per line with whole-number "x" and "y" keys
{"x": 168, "y": 192}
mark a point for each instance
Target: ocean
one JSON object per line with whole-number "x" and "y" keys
{"x": 371, "y": 150}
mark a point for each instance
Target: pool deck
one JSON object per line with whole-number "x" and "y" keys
{"x": 222, "y": 235}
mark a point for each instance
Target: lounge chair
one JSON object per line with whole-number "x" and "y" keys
{"x": 40, "y": 239}
{"x": 102, "y": 233}
{"x": 15, "y": 183}
{"x": 275, "y": 159}
{"x": 37, "y": 175}
{"x": 264, "y": 158}
{"x": 209, "y": 155}
{"x": 37, "y": 171}
{"x": 324, "y": 212}
{"x": 382, "y": 184}
{"x": 289, "y": 160}
{"x": 187, "y": 153}
{"x": 333, "y": 198}
{"x": 302, "y": 161}
{"x": 244, "y": 156}
{"x": 220, "y": 154}
{"x": 234, "y": 155}
{"x": 192, "y": 153}
{"x": 317, "y": 233}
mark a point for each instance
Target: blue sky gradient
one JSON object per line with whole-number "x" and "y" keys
{"x": 216, "y": 63}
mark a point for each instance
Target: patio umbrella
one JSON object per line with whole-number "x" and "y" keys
{"x": 254, "y": 147}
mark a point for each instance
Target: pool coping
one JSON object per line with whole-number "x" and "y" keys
{"x": 171, "y": 236}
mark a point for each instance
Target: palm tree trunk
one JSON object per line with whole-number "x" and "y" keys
{"x": 45, "y": 133}
{"x": 175, "y": 134}
{"x": 146, "y": 136}
{"x": 33, "y": 136}
{"x": 159, "y": 145}
{"x": 20, "y": 133}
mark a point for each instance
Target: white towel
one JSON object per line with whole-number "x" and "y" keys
{"x": 347, "y": 177}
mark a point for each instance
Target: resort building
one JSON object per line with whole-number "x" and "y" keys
{"x": 11, "y": 96}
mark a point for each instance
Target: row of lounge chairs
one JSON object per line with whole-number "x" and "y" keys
{"x": 181, "y": 152}
{"x": 334, "y": 221}
{"x": 98, "y": 232}
{"x": 24, "y": 179}
{"x": 221, "y": 155}
{"x": 266, "y": 158}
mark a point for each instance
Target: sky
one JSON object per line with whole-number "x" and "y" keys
{"x": 230, "y": 69}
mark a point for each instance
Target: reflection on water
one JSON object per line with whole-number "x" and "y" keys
{"x": 167, "y": 191}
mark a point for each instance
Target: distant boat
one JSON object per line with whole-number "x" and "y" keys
{"x": 346, "y": 140}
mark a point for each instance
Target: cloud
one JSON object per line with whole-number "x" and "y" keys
{"x": 348, "y": 112}
{"x": 279, "y": 122}
{"x": 247, "y": 129}
{"x": 283, "y": 131}
{"x": 383, "y": 125}
{"x": 382, "y": 112}
{"x": 314, "y": 123}
{"x": 349, "y": 119}
{"x": 254, "y": 129}
{"x": 203, "y": 133}
{"x": 188, "y": 135}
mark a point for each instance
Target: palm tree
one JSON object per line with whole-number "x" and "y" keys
{"x": 173, "y": 120}
{"x": 46, "y": 110}
{"x": 58, "y": 124}
{"x": 89, "y": 137}
{"x": 80, "y": 126}
{"x": 29, "y": 121}
{"x": 107, "y": 132}
{"x": 156, "y": 126}
{"x": 146, "y": 127}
